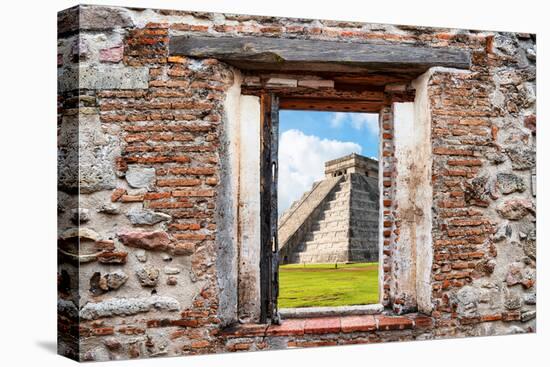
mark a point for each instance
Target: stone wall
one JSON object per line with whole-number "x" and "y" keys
{"x": 147, "y": 254}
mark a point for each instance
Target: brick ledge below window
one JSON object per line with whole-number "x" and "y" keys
{"x": 307, "y": 312}
{"x": 333, "y": 324}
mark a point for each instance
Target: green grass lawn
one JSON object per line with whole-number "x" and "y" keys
{"x": 325, "y": 285}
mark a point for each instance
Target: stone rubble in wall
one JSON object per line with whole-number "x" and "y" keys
{"x": 148, "y": 276}
{"x": 127, "y": 306}
{"x": 146, "y": 217}
{"x": 100, "y": 284}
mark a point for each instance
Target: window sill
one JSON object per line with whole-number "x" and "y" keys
{"x": 331, "y": 325}
{"x": 307, "y": 312}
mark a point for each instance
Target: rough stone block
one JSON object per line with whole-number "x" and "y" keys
{"x": 516, "y": 209}
{"x": 97, "y": 154}
{"x": 155, "y": 241}
{"x": 112, "y": 54}
{"x": 146, "y": 217}
{"x": 522, "y": 157}
{"x": 99, "y": 18}
{"x": 140, "y": 177}
{"x": 127, "y": 306}
{"x": 510, "y": 182}
{"x": 103, "y": 77}
{"x": 148, "y": 276}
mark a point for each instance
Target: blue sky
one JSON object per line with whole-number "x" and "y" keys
{"x": 310, "y": 138}
{"x": 342, "y": 126}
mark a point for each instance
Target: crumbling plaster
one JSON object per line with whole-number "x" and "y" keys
{"x": 239, "y": 279}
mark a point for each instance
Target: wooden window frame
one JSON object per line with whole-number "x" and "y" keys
{"x": 270, "y": 105}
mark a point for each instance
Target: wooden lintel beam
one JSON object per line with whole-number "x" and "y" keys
{"x": 362, "y": 95}
{"x": 334, "y": 105}
{"x": 254, "y": 53}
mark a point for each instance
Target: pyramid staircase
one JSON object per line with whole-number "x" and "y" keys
{"x": 340, "y": 225}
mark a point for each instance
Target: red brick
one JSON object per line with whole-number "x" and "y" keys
{"x": 394, "y": 323}
{"x": 495, "y": 317}
{"x": 170, "y": 204}
{"x": 200, "y": 344}
{"x": 271, "y": 29}
{"x": 321, "y": 325}
{"x": 474, "y": 122}
{"x": 177, "y": 59}
{"x": 131, "y": 198}
{"x": 212, "y": 181}
{"x": 287, "y": 328}
{"x": 494, "y": 132}
{"x": 189, "y": 27}
{"x": 191, "y": 193}
{"x": 179, "y": 182}
{"x": 530, "y": 122}
{"x": 130, "y": 330}
{"x": 468, "y": 222}
{"x": 450, "y": 151}
{"x": 489, "y": 41}
{"x": 156, "y": 195}
{"x": 103, "y": 331}
{"x": 470, "y": 320}
{"x": 245, "y": 330}
{"x": 117, "y": 194}
{"x": 239, "y": 347}
{"x": 185, "y": 226}
{"x": 466, "y": 232}
{"x": 457, "y": 172}
{"x": 358, "y": 323}
{"x": 422, "y": 321}
{"x": 192, "y": 171}
{"x": 313, "y": 343}
{"x": 185, "y": 323}
{"x": 511, "y": 316}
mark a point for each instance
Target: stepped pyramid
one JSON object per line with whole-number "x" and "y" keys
{"x": 337, "y": 220}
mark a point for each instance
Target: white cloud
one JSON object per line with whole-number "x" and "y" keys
{"x": 302, "y": 161}
{"x": 358, "y": 121}
{"x": 337, "y": 119}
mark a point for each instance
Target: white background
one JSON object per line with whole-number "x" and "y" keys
{"x": 28, "y": 182}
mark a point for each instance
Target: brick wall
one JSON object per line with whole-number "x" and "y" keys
{"x": 139, "y": 224}
{"x": 389, "y": 228}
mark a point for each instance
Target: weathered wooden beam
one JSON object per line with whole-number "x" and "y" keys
{"x": 336, "y": 105}
{"x": 261, "y": 53}
{"x": 364, "y": 95}
{"x": 266, "y": 184}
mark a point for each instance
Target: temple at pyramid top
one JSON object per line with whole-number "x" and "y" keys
{"x": 352, "y": 163}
